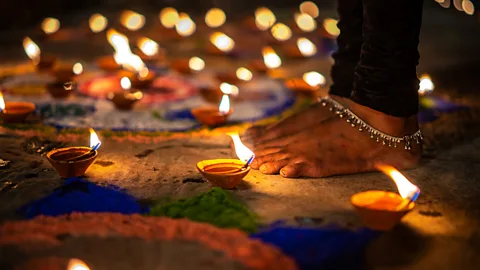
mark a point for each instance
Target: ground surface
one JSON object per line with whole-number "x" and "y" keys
{"x": 441, "y": 233}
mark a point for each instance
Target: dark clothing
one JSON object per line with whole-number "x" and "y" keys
{"x": 377, "y": 56}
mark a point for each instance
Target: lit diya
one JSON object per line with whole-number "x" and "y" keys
{"x": 97, "y": 23}
{"x": 280, "y": 33}
{"x": 50, "y": 25}
{"x": 212, "y": 116}
{"x": 77, "y": 264}
{"x": 330, "y": 29}
{"x": 132, "y": 20}
{"x": 215, "y": 18}
{"x": 169, "y": 17}
{"x": 66, "y": 73}
{"x": 15, "y": 112}
{"x": 60, "y": 90}
{"x": 41, "y": 61}
{"x": 126, "y": 98}
{"x": 304, "y": 23}
{"x": 271, "y": 60}
{"x": 241, "y": 75}
{"x": 74, "y": 161}
{"x": 108, "y": 63}
{"x": 308, "y": 85}
{"x": 220, "y": 44}
{"x": 139, "y": 80}
{"x": 185, "y": 26}
{"x": 215, "y": 94}
{"x": 188, "y": 66}
{"x": 150, "y": 51}
{"x": 382, "y": 210}
{"x": 228, "y": 173}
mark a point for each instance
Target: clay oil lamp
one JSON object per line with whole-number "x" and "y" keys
{"x": 66, "y": 73}
{"x": 220, "y": 44}
{"x": 97, "y": 23}
{"x": 215, "y": 18}
{"x": 188, "y": 66}
{"x": 303, "y": 47}
{"x": 185, "y": 26}
{"x": 74, "y": 161}
{"x": 330, "y": 29}
{"x": 15, "y": 112}
{"x": 41, "y": 61}
{"x": 382, "y": 210}
{"x": 215, "y": 94}
{"x": 150, "y": 50}
{"x": 126, "y": 97}
{"x": 60, "y": 90}
{"x": 132, "y": 20}
{"x": 120, "y": 44}
{"x": 241, "y": 75}
{"x": 107, "y": 63}
{"x": 211, "y": 116}
{"x": 308, "y": 85}
{"x": 76, "y": 264}
{"x": 228, "y": 173}
{"x": 270, "y": 60}
{"x": 63, "y": 86}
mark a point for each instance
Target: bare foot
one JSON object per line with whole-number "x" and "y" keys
{"x": 293, "y": 124}
{"x": 333, "y": 147}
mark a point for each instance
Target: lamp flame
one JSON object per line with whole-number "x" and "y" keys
{"x": 314, "y": 78}
{"x": 132, "y": 20}
{"x": 244, "y": 74}
{"x": 77, "y": 69}
{"x": 224, "y": 106}
{"x": 147, "y": 46}
{"x": 306, "y": 47}
{"x": 309, "y": 8}
{"x": 76, "y": 264}
{"x": 50, "y": 25}
{"x": 215, "y": 17}
{"x": 281, "y": 32}
{"x": 118, "y": 41}
{"x": 270, "y": 58}
{"x": 229, "y": 89}
{"x": 264, "y": 18}
{"x": 305, "y": 22}
{"x": 196, "y": 63}
{"x": 426, "y": 85}
{"x": 330, "y": 25}
{"x": 32, "y": 50}
{"x": 185, "y": 26}
{"x": 125, "y": 83}
{"x": 243, "y": 153}
{"x": 97, "y": 22}
{"x": 169, "y": 17}
{"x": 94, "y": 140}
{"x": 406, "y": 189}
{"x": 2, "y": 102}
{"x": 223, "y": 42}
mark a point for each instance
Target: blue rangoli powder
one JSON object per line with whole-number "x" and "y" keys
{"x": 79, "y": 195}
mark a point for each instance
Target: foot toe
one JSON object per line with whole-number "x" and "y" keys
{"x": 273, "y": 167}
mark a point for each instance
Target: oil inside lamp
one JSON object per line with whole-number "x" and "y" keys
{"x": 306, "y": 47}
{"x": 310, "y": 8}
{"x": 228, "y": 173}
{"x": 185, "y": 26}
{"x": 74, "y": 161}
{"x": 97, "y": 22}
{"x": 426, "y": 85}
{"x": 382, "y": 210}
{"x": 148, "y": 46}
{"x": 244, "y": 74}
{"x": 264, "y": 18}
{"x": 50, "y": 25}
{"x": 223, "y": 42}
{"x": 281, "y": 32}
{"x": 132, "y": 20}
{"x": 196, "y": 63}
{"x": 77, "y": 68}
{"x": 215, "y": 17}
{"x": 15, "y": 112}
{"x": 330, "y": 26}
{"x": 76, "y": 264}
{"x": 270, "y": 58}
{"x": 305, "y": 22}
{"x": 169, "y": 17}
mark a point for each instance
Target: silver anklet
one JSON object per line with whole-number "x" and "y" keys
{"x": 374, "y": 133}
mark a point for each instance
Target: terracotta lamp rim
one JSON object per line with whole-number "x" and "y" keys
{"x": 51, "y": 153}
{"x": 359, "y": 200}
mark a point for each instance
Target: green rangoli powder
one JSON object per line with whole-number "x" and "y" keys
{"x": 216, "y": 207}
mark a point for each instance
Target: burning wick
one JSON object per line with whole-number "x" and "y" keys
{"x": 242, "y": 151}
{"x": 76, "y": 264}
{"x": 94, "y": 145}
{"x": 408, "y": 191}
{"x": 2, "y": 103}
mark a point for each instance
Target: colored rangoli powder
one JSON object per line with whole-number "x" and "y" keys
{"x": 216, "y": 207}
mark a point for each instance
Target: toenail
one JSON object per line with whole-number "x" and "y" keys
{"x": 263, "y": 169}
{"x": 283, "y": 172}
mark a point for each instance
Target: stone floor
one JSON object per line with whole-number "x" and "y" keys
{"x": 441, "y": 233}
